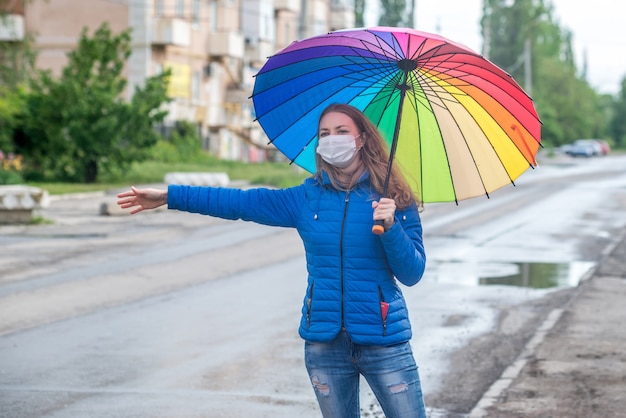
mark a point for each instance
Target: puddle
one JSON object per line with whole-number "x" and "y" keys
{"x": 542, "y": 275}
{"x": 532, "y": 275}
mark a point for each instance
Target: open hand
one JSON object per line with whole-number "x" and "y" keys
{"x": 142, "y": 199}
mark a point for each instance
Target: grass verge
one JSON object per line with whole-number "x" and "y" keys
{"x": 266, "y": 173}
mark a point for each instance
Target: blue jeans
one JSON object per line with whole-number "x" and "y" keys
{"x": 335, "y": 368}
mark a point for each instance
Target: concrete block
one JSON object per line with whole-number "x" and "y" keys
{"x": 23, "y": 197}
{"x": 17, "y": 203}
{"x": 198, "y": 179}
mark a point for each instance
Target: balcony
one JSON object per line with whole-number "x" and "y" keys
{"x": 226, "y": 44}
{"x": 170, "y": 31}
{"x": 341, "y": 19}
{"x": 259, "y": 50}
{"x": 12, "y": 28}
{"x": 291, "y": 5}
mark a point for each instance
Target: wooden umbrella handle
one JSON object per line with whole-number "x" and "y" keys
{"x": 378, "y": 228}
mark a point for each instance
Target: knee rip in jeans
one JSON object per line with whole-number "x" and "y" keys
{"x": 398, "y": 388}
{"x": 320, "y": 387}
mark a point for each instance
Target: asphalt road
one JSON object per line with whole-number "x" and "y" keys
{"x": 178, "y": 315}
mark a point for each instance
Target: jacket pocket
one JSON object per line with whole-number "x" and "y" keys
{"x": 384, "y": 308}
{"x": 309, "y": 303}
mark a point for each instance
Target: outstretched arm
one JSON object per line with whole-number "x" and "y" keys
{"x": 142, "y": 199}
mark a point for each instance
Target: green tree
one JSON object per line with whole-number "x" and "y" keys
{"x": 12, "y": 102}
{"x": 17, "y": 59}
{"x": 618, "y": 122}
{"x": 79, "y": 124}
{"x": 394, "y": 13}
{"x": 17, "y": 63}
{"x": 359, "y": 10}
{"x": 523, "y": 38}
{"x": 183, "y": 145}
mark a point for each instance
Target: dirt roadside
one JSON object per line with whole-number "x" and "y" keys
{"x": 579, "y": 367}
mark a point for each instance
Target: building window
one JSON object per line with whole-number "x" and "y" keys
{"x": 196, "y": 12}
{"x": 213, "y": 16}
{"x": 195, "y": 86}
{"x": 180, "y": 8}
{"x": 342, "y": 4}
{"x": 318, "y": 26}
{"x": 158, "y": 8}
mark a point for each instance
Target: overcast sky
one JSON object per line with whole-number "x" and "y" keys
{"x": 598, "y": 27}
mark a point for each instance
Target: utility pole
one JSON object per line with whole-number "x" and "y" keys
{"x": 302, "y": 29}
{"x": 486, "y": 30}
{"x": 528, "y": 76}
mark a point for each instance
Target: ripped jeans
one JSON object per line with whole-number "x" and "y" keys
{"x": 335, "y": 368}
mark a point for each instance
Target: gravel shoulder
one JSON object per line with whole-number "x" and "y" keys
{"x": 579, "y": 369}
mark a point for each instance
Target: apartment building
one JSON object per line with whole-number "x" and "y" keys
{"x": 212, "y": 47}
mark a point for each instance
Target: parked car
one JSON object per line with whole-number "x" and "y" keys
{"x": 582, "y": 149}
{"x": 597, "y": 147}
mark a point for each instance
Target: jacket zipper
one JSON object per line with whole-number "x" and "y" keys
{"x": 343, "y": 227}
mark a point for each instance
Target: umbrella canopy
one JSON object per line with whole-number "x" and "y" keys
{"x": 457, "y": 125}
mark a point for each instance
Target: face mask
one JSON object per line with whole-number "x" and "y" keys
{"x": 337, "y": 150}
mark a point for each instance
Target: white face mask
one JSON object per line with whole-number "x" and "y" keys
{"x": 337, "y": 150}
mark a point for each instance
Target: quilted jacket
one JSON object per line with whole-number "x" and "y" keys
{"x": 352, "y": 273}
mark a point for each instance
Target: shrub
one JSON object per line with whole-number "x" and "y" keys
{"x": 10, "y": 169}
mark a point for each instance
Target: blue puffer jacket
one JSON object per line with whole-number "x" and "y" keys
{"x": 350, "y": 270}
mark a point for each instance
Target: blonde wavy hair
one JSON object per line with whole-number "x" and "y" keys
{"x": 374, "y": 157}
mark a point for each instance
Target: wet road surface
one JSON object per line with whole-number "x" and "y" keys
{"x": 179, "y": 315}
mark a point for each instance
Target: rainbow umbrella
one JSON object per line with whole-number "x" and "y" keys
{"x": 457, "y": 125}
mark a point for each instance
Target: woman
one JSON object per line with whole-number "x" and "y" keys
{"x": 354, "y": 317}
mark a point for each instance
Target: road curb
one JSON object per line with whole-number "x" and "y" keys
{"x": 495, "y": 391}
{"x": 69, "y": 196}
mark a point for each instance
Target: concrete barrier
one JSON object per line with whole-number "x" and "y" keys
{"x": 17, "y": 203}
{"x": 198, "y": 179}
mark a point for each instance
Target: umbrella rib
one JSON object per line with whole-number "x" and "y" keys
{"x": 386, "y": 73}
{"x": 457, "y": 68}
{"x": 307, "y": 143}
{"x": 374, "y": 56}
{"x": 295, "y": 95}
{"x": 435, "y": 60}
{"x": 393, "y": 71}
{"x": 427, "y": 104}
{"x": 427, "y": 89}
{"x": 420, "y": 99}
{"x": 472, "y": 154}
{"x": 374, "y": 69}
{"x": 468, "y": 148}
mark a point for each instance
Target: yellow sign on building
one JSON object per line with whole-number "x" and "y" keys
{"x": 180, "y": 80}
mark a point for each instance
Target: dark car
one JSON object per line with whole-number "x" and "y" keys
{"x": 581, "y": 150}
{"x": 596, "y": 145}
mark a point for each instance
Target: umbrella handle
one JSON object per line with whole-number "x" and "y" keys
{"x": 378, "y": 228}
